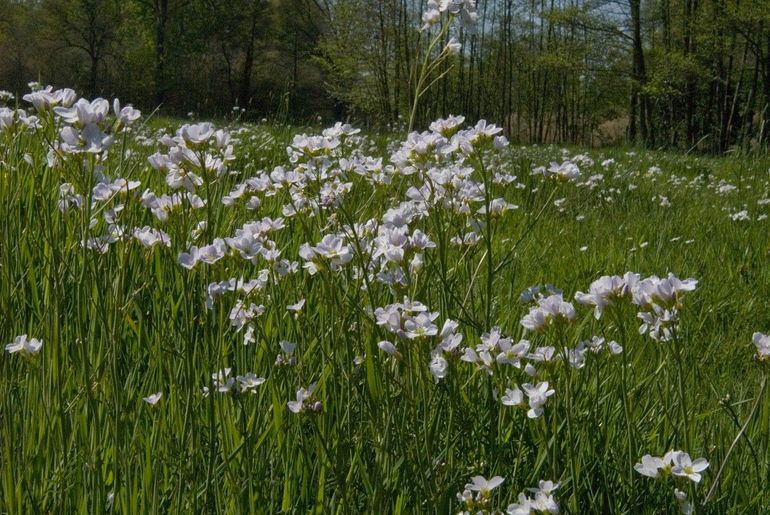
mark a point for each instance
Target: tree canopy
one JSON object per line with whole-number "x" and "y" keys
{"x": 690, "y": 74}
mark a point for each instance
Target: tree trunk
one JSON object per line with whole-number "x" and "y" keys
{"x": 638, "y": 107}
{"x": 244, "y": 94}
{"x": 161, "y": 19}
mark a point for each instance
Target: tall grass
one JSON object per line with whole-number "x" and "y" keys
{"x": 76, "y": 435}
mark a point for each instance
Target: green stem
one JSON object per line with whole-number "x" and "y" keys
{"x": 630, "y": 429}
{"x": 488, "y": 241}
{"x": 715, "y": 484}
{"x": 682, "y": 391}
{"x": 424, "y": 72}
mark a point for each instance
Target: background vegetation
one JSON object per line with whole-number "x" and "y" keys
{"x": 665, "y": 73}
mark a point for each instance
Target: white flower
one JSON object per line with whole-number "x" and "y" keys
{"x": 545, "y": 487}
{"x": 658, "y": 323}
{"x": 450, "y": 339}
{"x": 544, "y": 355}
{"x": 43, "y": 99}
{"x": 68, "y": 198}
{"x": 249, "y": 382}
{"x": 605, "y": 290}
{"x": 210, "y": 254}
{"x": 483, "y": 485}
{"x": 740, "y": 216}
{"x": 90, "y": 139}
{"x": 196, "y": 133}
{"x": 513, "y": 397}
{"x": 685, "y": 506}
{"x": 566, "y": 171}
{"x": 665, "y": 292}
{"x": 296, "y": 308}
{"x": 683, "y": 466}
{"x": 762, "y": 342}
{"x": 28, "y": 347}
{"x": 544, "y": 503}
{"x": 577, "y": 357}
{"x": 430, "y": 18}
{"x": 153, "y": 399}
{"x": 388, "y": 348}
{"x": 222, "y": 380}
{"x": 512, "y": 354}
{"x": 333, "y": 248}
{"x": 303, "y": 401}
{"x": 549, "y": 310}
{"x": 126, "y": 115}
{"x": 84, "y": 113}
{"x": 242, "y": 314}
{"x": 189, "y": 259}
{"x": 439, "y": 367}
{"x": 421, "y": 326}
{"x": 453, "y": 46}
{"x": 523, "y": 507}
{"x": 537, "y": 395}
{"x": 650, "y": 466}
{"x": 150, "y": 237}
{"x": 447, "y": 127}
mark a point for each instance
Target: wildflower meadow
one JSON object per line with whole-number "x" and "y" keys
{"x": 238, "y": 317}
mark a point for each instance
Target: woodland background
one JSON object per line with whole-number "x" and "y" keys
{"x": 687, "y": 74}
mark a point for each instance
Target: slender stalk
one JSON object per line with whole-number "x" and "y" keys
{"x": 715, "y": 484}
{"x": 425, "y": 68}
{"x": 630, "y": 428}
{"x": 488, "y": 235}
{"x": 684, "y": 413}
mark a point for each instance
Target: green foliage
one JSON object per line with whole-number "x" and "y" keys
{"x": 545, "y": 71}
{"x": 122, "y": 325}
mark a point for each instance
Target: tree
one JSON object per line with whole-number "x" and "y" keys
{"x": 86, "y": 26}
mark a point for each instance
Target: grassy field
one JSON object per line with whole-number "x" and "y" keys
{"x": 364, "y": 398}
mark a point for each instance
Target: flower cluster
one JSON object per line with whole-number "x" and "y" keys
{"x": 541, "y": 500}
{"x": 597, "y": 344}
{"x": 196, "y": 153}
{"x": 305, "y": 401}
{"x": 27, "y": 346}
{"x": 10, "y": 119}
{"x": 45, "y": 99}
{"x": 566, "y": 171}
{"x": 464, "y": 10}
{"x": 659, "y": 299}
{"x": 537, "y": 395}
{"x": 476, "y": 497}
{"x": 396, "y": 245}
{"x": 87, "y": 128}
{"x": 548, "y": 311}
{"x": 495, "y": 348}
{"x": 604, "y": 291}
{"x": 331, "y": 253}
{"x": 163, "y": 205}
{"x": 6, "y": 97}
{"x": 678, "y": 465}
{"x": 445, "y": 144}
{"x": 224, "y": 383}
{"x": 409, "y": 320}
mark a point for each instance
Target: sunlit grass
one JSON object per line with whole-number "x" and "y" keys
{"x": 379, "y": 433}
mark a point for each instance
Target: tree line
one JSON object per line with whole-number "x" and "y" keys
{"x": 688, "y": 74}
